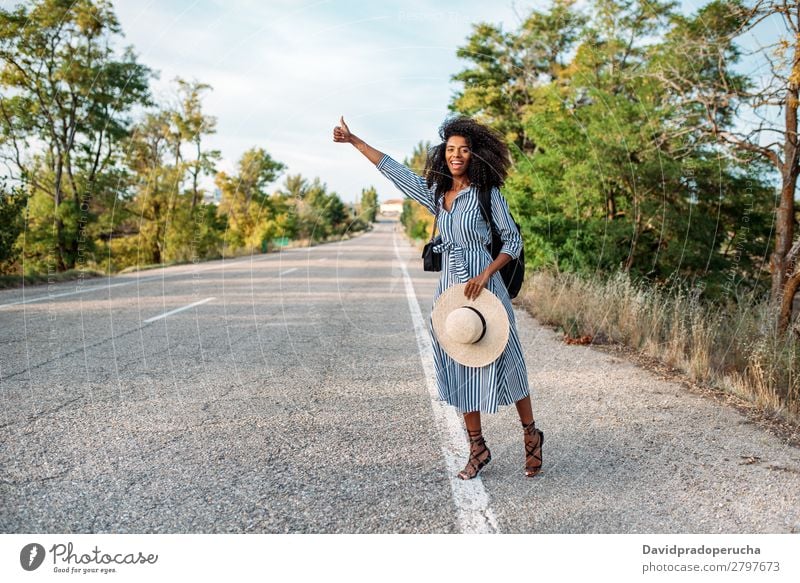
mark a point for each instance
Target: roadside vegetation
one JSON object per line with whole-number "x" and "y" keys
{"x": 101, "y": 178}
{"x": 652, "y": 214}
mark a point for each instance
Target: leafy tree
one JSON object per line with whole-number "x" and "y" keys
{"x": 246, "y": 206}
{"x": 165, "y": 219}
{"x": 318, "y": 214}
{"x": 696, "y": 64}
{"x": 608, "y": 174}
{"x": 12, "y": 223}
{"x": 191, "y": 125}
{"x": 369, "y": 204}
{"x": 63, "y": 113}
{"x": 326, "y": 214}
{"x": 507, "y": 66}
{"x": 155, "y": 184}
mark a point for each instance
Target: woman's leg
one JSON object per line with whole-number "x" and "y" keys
{"x": 533, "y": 437}
{"x": 479, "y": 454}
{"x": 473, "y": 421}
{"x": 525, "y": 410}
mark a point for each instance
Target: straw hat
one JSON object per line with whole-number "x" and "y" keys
{"x": 472, "y": 332}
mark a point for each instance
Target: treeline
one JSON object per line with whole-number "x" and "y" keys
{"x": 623, "y": 121}
{"x": 99, "y": 176}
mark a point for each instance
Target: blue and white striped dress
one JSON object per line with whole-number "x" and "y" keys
{"x": 465, "y": 235}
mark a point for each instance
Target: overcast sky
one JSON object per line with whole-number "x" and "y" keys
{"x": 283, "y": 72}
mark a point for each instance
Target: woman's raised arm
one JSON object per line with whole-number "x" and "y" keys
{"x": 406, "y": 180}
{"x": 341, "y": 133}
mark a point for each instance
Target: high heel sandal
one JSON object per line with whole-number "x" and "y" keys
{"x": 533, "y": 451}
{"x": 476, "y": 439}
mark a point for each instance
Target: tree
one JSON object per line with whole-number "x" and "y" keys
{"x": 12, "y": 223}
{"x": 64, "y": 88}
{"x": 607, "y": 172}
{"x": 245, "y": 205}
{"x": 155, "y": 184}
{"x": 369, "y": 204}
{"x": 325, "y": 210}
{"x": 191, "y": 125}
{"x": 316, "y": 214}
{"x": 416, "y": 219}
{"x": 697, "y": 66}
{"x": 505, "y": 67}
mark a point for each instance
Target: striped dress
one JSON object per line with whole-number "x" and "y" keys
{"x": 465, "y": 235}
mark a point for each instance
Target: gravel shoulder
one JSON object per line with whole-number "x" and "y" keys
{"x": 635, "y": 447}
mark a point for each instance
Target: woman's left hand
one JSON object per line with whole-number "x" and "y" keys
{"x": 475, "y": 285}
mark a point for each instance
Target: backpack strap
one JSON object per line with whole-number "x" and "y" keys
{"x": 484, "y": 202}
{"x": 435, "y": 218}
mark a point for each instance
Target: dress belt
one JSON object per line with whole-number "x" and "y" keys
{"x": 455, "y": 255}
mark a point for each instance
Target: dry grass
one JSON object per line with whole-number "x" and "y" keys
{"x": 733, "y": 347}
{"x": 13, "y": 281}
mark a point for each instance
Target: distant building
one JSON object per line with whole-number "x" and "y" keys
{"x": 393, "y": 206}
{"x": 214, "y": 197}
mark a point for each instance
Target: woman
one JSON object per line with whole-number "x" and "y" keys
{"x": 470, "y": 158}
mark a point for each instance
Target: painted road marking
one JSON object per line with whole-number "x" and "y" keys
{"x": 469, "y": 496}
{"x": 176, "y": 310}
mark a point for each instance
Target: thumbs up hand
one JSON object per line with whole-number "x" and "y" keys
{"x": 341, "y": 133}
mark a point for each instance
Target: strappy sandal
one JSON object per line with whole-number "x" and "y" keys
{"x": 473, "y": 465}
{"x": 533, "y": 450}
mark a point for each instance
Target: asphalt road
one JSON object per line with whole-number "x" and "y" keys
{"x": 289, "y": 392}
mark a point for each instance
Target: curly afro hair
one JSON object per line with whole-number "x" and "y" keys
{"x": 489, "y": 163}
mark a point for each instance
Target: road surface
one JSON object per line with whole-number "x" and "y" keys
{"x": 292, "y": 392}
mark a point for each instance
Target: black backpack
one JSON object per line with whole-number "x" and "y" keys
{"x": 512, "y": 272}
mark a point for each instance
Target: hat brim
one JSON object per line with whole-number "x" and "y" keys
{"x": 494, "y": 341}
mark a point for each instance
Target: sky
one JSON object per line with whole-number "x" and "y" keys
{"x": 283, "y": 72}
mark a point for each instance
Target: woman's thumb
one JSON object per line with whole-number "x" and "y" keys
{"x": 341, "y": 121}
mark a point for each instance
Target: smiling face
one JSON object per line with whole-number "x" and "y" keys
{"x": 457, "y": 153}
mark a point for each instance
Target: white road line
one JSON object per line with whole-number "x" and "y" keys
{"x": 289, "y": 271}
{"x": 469, "y": 496}
{"x": 323, "y": 258}
{"x": 176, "y": 310}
